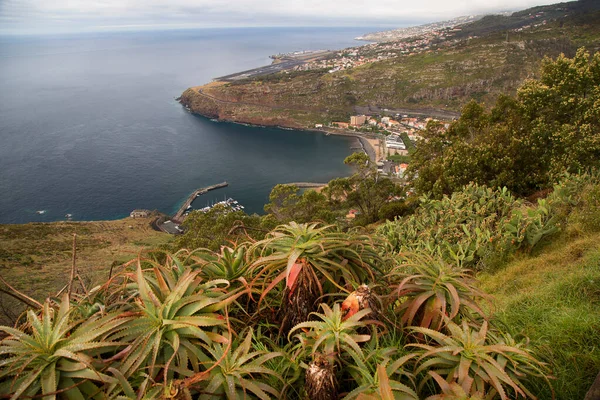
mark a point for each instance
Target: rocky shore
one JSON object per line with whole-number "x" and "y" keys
{"x": 203, "y": 101}
{"x": 200, "y": 100}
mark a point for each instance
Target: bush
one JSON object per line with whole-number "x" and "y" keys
{"x": 462, "y": 228}
{"x": 589, "y": 212}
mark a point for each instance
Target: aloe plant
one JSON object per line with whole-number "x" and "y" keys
{"x": 381, "y": 374}
{"x": 237, "y": 372}
{"x": 54, "y": 354}
{"x": 320, "y": 382}
{"x": 311, "y": 259}
{"x": 432, "y": 292}
{"x": 229, "y": 263}
{"x": 332, "y": 334}
{"x": 381, "y": 387}
{"x": 477, "y": 361}
{"x": 173, "y": 312}
{"x": 452, "y": 390}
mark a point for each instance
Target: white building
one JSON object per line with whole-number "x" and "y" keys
{"x": 395, "y": 142}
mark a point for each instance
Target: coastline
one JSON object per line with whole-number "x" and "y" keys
{"x": 364, "y": 141}
{"x": 367, "y": 146}
{"x": 197, "y": 101}
{"x": 367, "y": 143}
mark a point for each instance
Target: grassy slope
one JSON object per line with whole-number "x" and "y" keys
{"x": 554, "y": 299}
{"x": 36, "y": 258}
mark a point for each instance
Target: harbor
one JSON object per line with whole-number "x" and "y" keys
{"x": 173, "y": 225}
{"x": 187, "y": 204}
{"x": 227, "y": 204}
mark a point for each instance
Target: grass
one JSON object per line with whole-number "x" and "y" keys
{"x": 399, "y": 158}
{"x": 553, "y": 298}
{"x": 36, "y": 258}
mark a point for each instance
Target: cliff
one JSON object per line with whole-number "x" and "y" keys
{"x": 214, "y": 101}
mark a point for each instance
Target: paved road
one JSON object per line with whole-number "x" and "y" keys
{"x": 171, "y": 227}
{"x": 420, "y": 112}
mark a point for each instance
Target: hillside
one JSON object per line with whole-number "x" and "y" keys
{"x": 36, "y": 258}
{"x": 556, "y": 305}
{"x": 473, "y": 276}
{"x": 441, "y": 74}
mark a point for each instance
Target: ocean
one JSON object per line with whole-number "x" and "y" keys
{"x": 89, "y": 125}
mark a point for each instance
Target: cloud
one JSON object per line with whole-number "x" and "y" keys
{"x": 82, "y": 15}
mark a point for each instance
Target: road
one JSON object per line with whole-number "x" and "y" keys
{"x": 417, "y": 112}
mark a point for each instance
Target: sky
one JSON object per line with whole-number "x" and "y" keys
{"x": 61, "y": 16}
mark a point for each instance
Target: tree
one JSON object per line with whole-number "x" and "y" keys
{"x": 553, "y": 125}
{"x": 564, "y": 108}
{"x": 217, "y": 227}
{"x": 368, "y": 191}
{"x": 282, "y": 200}
{"x": 287, "y": 204}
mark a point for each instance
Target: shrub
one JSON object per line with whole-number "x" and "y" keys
{"x": 432, "y": 292}
{"x": 478, "y": 361}
{"x": 57, "y": 353}
{"x": 462, "y": 228}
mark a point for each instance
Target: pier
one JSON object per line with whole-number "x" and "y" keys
{"x": 179, "y": 216}
{"x": 306, "y": 185}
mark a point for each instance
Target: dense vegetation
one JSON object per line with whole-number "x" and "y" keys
{"x": 521, "y": 143}
{"x": 280, "y": 307}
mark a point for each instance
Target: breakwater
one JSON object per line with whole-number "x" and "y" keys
{"x": 188, "y": 202}
{"x": 305, "y": 185}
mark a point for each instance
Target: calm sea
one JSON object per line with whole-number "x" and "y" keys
{"x": 89, "y": 125}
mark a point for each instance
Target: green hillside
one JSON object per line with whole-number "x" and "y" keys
{"x": 553, "y": 298}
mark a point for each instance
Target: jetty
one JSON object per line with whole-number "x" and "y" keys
{"x": 306, "y": 185}
{"x": 179, "y": 217}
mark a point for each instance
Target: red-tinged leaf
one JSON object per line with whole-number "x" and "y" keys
{"x": 294, "y": 271}
{"x": 429, "y": 312}
{"x": 415, "y": 305}
{"x": 455, "y": 305}
{"x": 164, "y": 289}
{"x": 463, "y": 369}
{"x": 445, "y": 386}
{"x": 467, "y": 384}
{"x": 385, "y": 390}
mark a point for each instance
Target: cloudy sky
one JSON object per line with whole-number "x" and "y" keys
{"x": 54, "y": 16}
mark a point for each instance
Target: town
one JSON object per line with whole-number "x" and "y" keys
{"x": 390, "y": 44}
{"x": 405, "y": 41}
{"x": 392, "y": 140}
